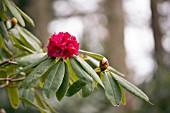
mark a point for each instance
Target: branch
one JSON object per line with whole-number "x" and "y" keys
{"x": 8, "y": 80}
{"x": 8, "y": 61}
{"x": 12, "y": 79}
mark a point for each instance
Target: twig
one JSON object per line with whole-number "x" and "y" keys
{"x": 9, "y": 61}
{"x": 12, "y": 79}
{"x": 8, "y": 80}
{"x": 3, "y": 85}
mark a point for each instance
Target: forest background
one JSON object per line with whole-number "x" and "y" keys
{"x": 134, "y": 35}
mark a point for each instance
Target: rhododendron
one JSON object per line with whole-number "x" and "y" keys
{"x": 62, "y": 45}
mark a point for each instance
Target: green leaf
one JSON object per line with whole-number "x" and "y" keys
{"x": 73, "y": 75}
{"x": 22, "y": 47}
{"x": 32, "y": 104}
{"x": 54, "y": 79}
{"x": 64, "y": 86}
{"x": 49, "y": 107}
{"x": 115, "y": 71}
{"x": 14, "y": 11}
{"x": 89, "y": 69}
{"x": 28, "y": 94}
{"x": 40, "y": 102}
{"x": 29, "y": 39}
{"x": 11, "y": 69}
{"x": 87, "y": 90}
{"x": 112, "y": 89}
{"x": 26, "y": 17}
{"x": 13, "y": 95}
{"x": 3, "y": 30}
{"x": 35, "y": 63}
{"x": 4, "y": 6}
{"x": 1, "y": 41}
{"x": 75, "y": 87}
{"x": 123, "y": 95}
{"x": 80, "y": 72}
{"x": 21, "y": 40}
{"x": 3, "y": 73}
{"x": 30, "y": 59}
{"x": 94, "y": 55}
{"x": 130, "y": 87}
{"x": 33, "y": 78}
{"x": 29, "y": 34}
{"x": 26, "y": 42}
{"x": 3, "y": 15}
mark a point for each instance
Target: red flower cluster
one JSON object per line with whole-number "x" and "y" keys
{"x": 62, "y": 45}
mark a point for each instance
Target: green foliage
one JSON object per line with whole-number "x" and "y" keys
{"x": 75, "y": 88}
{"x": 88, "y": 69}
{"x": 54, "y": 79}
{"x": 64, "y": 86}
{"x": 14, "y": 11}
{"x": 130, "y": 87}
{"x": 112, "y": 89}
{"x": 24, "y": 64}
{"x": 80, "y": 72}
{"x": 32, "y": 79}
{"x": 13, "y": 95}
{"x": 87, "y": 90}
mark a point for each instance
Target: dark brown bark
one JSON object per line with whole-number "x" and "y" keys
{"x": 156, "y": 31}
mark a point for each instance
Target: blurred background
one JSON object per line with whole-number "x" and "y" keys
{"x": 133, "y": 34}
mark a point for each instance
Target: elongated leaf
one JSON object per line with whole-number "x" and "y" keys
{"x": 35, "y": 63}
{"x": 3, "y": 30}
{"x": 75, "y": 87}
{"x": 3, "y": 15}
{"x": 30, "y": 59}
{"x": 28, "y": 94}
{"x": 22, "y": 47}
{"x": 64, "y": 86}
{"x": 40, "y": 102}
{"x": 1, "y": 41}
{"x": 83, "y": 75}
{"x": 13, "y": 95}
{"x": 88, "y": 69}
{"x": 33, "y": 78}
{"x": 73, "y": 75}
{"x": 94, "y": 55}
{"x": 21, "y": 40}
{"x": 112, "y": 89}
{"x": 4, "y": 6}
{"x": 32, "y": 104}
{"x": 29, "y": 34}
{"x": 54, "y": 79}
{"x": 123, "y": 95}
{"x": 115, "y": 71}
{"x": 87, "y": 90}
{"x": 14, "y": 11}
{"x": 130, "y": 87}
{"x": 26, "y": 17}
{"x": 42, "y": 78}
{"x": 31, "y": 41}
{"x": 49, "y": 107}
{"x": 26, "y": 42}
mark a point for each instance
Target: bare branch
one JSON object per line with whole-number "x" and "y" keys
{"x": 8, "y": 80}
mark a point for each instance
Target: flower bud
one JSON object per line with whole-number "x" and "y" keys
{"x": 104, "y": 64}
{"x": 14, "y": 21}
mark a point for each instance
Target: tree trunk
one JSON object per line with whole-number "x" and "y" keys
{"x": 115, "y": 42}
{"x": 41, "y": 12}
{"x": 156, "y": 32}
